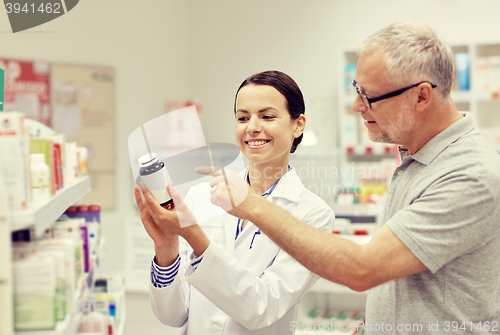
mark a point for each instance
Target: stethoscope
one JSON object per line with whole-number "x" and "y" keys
{"x": 239, "y": 227}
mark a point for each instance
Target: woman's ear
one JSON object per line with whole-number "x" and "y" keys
{"x": 300, "y": 123}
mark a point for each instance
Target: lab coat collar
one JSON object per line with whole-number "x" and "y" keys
{"x": 289, "y": 187}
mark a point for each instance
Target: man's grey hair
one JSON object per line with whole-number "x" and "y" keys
{"x": 413, "y": 53}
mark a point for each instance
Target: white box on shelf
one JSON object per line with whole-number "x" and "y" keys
{"x": 482, "y": 78}
{"x": 73, "y": 266}
{"x": 34, "y": 293}
{"x": 494, "y": 77}
{"x": 14, "y": 165}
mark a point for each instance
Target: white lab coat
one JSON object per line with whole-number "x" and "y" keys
{"x": 237, "y": 290}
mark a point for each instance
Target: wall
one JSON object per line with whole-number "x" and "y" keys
{"x": 233, "y": 40}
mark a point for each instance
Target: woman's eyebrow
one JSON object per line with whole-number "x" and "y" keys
{"x": 266, "y": 109}
{"x": 260, "y": 110}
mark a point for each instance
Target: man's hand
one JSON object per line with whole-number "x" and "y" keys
{"x": 231, "y": 192}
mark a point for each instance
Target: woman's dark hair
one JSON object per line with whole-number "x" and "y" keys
{"x": 287, "y": 87}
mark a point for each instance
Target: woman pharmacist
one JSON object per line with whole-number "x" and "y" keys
{"x": 225, "y": 276}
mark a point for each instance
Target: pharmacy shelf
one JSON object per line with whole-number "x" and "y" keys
{"x": 66, "y": 327}
{"x": 44, "y": 214}
{"x": 381, "y": 151}
{"x": 121, "y": 326}
{"x": 358, "y": 213}
{"x": 69, "y": 325}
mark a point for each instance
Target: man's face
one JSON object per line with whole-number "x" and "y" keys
{"x": 390, "y": 120}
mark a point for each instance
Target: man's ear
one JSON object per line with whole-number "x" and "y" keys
{"x": 425, "y": 96}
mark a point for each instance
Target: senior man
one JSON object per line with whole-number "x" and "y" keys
{"x": 434, "y": 265}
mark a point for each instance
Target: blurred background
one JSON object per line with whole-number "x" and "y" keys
{"x": 163, "y": 54}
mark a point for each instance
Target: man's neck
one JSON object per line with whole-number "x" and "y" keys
{"x": 434, "y": 122}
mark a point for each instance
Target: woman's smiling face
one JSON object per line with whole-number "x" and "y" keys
{"x": 264, "y": 130}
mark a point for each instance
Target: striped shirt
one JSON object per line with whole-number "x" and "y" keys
{"x": 164, "y": 276}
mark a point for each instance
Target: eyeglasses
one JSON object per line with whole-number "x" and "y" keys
{"x": 368, "y": 101}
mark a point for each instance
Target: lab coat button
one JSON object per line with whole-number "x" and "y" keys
{"x": 400, "y": 172}
{"x": 214, "y": 329}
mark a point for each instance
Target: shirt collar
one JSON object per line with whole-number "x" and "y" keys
{"x": 441, "y": 141}
{"x": 289, "y": 187}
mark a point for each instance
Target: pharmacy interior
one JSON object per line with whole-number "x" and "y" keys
{"x": 75, "y": 257}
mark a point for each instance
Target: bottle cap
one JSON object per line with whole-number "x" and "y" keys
{"x": 72, "y": 209}
{"x": 83, "y": 208}
{"x": 95, "y": 208}
{"x": 147, "y": 159}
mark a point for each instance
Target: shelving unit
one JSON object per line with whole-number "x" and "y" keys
{"x": 41, "y": 217}
{"x": 43, "y": 214}
{"x": 6, "y": 312}
{"x": 70, "y": 324}
{"x": 483, "y": 106}
{"x": 328, "y": 295}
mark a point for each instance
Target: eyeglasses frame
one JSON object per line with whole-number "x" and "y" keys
{"x": 368, "y": 101}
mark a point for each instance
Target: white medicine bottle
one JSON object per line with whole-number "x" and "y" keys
{"x": 40, "y": 178}
{"x": 154, "y": 175}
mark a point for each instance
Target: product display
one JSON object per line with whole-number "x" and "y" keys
{"x": 487, "y": 77}
{"x": 90, "y": 229}
{"x": 73, "y": 265}
{"x": 61, "y": 299}
{"x": 14, "y": 165}
{"x": 35, "y": 287}
{"x": 58, "y": 141}
{"x": 104, "y": 308}
{"x": 67, "y": 251}
{"x": 45, "y": 270}
{"x": 331, "y": 322}
{"x": 82, "y": 153}
{"x": 462, "y": 63}
{"x": 46, "y": 148}
{"x": 350, "y": 73}
{"x": 72, "y": 169}
{"x": 40, "y": 178}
